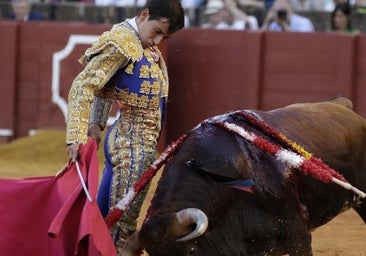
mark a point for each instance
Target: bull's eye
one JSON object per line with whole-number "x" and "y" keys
{"x": 194, "y": 164}
{"x": 191, "y": 163}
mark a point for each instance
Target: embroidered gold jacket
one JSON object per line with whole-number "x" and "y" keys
{"x": 118, "y": 68}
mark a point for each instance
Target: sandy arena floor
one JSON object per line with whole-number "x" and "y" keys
{"x": 45, "y": 153}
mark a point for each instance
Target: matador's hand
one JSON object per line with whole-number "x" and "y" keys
{"x": 94, "y": 131}
{"x": 73, "y": 151}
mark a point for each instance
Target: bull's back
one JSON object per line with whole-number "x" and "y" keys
{"x": 334, "y": 133}
{"x": 327, "y": 129}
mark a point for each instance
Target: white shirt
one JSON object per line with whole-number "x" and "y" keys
{"x": 297, "y": 24}
{"x": 309, "y": 5}
{"x": 120, "y": 3}
{"x": 240, "y": 24}
{"x": 133, "y": 23}
{"x": 191, "y": 4}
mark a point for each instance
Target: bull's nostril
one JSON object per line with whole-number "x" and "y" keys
{"x": 192, "y": 251}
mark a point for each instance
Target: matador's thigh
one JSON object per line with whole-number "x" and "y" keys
{"x": 132, "y": 145}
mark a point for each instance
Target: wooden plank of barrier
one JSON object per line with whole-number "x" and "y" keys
{"x": 300, "y": 67}
{"x": 211, "y": 72}
{"x": 360, "y": 76}
{"x": 27, "y": 84}
{"x": 55, "y": 39}
{"x": 8, "y": 53}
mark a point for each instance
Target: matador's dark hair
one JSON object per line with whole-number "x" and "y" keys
{"x": 170, "y": 9}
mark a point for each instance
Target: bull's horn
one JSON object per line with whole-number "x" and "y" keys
{"x": 190, "y": 216}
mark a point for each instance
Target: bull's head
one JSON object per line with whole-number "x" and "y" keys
{"x": 193, "y": 194}
{"x": 180, "y": 224}
{"x": 192, "y": 188}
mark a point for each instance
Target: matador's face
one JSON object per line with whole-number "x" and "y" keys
{"x": 152, "y": 32}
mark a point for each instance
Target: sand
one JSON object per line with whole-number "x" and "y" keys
{"x": 44, "y": 154}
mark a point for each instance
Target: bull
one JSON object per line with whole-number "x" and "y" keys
{"x": 198, "y": 209}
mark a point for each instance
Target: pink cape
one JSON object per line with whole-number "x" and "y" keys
{"x": 52, "y": 216}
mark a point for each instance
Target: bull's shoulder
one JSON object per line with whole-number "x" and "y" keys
{"x": 338, "y": 100}
{"x": 314, "y": 114}
{"x": 342, "y": 101}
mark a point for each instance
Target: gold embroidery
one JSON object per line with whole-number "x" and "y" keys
{"x": 155, "y": 71}
{"x": 129, "y": 167}
{"x": 148, "y": 55}
{"x": 100, "y": 73}
{"x": 154, "y": 102}
{"x": 129, "y": 98}
{"x": 121, "y": 36}
{"x": 164, "y": 74}
{"x": 129, "y": 69}
{"x": 134, "y": 99}
{"x": 144, "y": 71}
{"x": 165, "y": 89}
{"x": 145, "y": 87}
{"x": 95, "y": 80}
{"x": 94, "y": 76}
{"x": 144, "y": 101}
{"x": 155, "y": 88}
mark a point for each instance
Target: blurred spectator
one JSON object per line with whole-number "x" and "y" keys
{"x": 192, "y": 4}
{"x": 227, "y": 15}
{"x": 360, "y": 3}
{"x": 187, "y": 4}
{"x": 332, "y": 3}
{"x": 237, "y": 19}
{"x": 281, "y": 17}
{"x": 120, "y": 3}
{"x": 192, "y": 11}
{"x": 214, "y": 13}
{"x": 308, "y": 5}
{"x": 353, "y": 3}
{"x": 268, "y": 4}
{"x": 22, "y": 10}
{"x": 350, "y": 2}
{"x": 257, "y": 8}
{"x": 253, "y": 3}
{"x": 329, "y": 5}
{"x": 361, "y": 6}
{"x": 341, "y": 19}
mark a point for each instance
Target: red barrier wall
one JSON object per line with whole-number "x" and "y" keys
{"x": 216, "y": 71}
{"x": 359, "y": 99}
{"x": 54, "y": 38}
{"x": 8, "y": 53}
{"x": 301, "y": 67}
{"x": 27, "y": 74}
{"x": 211, "y": 72}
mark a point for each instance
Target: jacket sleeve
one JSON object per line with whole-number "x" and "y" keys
{"x": 95, "y": 75}
{"x": 100, "y": 111}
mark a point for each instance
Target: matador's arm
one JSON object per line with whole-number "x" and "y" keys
{"x": 95, "y": 75}
{"x": 100, "y": 112}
